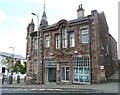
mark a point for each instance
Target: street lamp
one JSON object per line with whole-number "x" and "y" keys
{"x": 13, "y": 54}
{"x": 37, "y": 43}
{"x": 12, "y": 66}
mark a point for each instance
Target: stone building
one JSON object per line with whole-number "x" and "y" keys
{"x": 75, "y": 51}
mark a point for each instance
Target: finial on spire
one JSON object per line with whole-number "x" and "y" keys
{"x": 44, "y": 4}
{"x": 32, "y": 21}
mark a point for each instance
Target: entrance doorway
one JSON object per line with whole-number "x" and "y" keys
{"x": 65, "y": 73}
{"x": 51, "y": 74}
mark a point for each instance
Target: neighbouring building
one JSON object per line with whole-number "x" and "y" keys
{"x": 76, "y": 51}
{"x": 7, "y": 67}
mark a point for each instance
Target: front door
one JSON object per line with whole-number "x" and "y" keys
{"x": 65, "y": 73}
{"x": 52, "y": 74}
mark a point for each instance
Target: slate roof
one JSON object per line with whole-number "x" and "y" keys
{"x": 80, "y": 19}
{"x": 4, "y": 54}
{"x": 70, "y": 21}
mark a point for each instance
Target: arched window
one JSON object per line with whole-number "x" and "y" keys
{"x": 64, "y": 37}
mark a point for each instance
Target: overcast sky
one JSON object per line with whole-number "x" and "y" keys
{"x": 15, "y": 15}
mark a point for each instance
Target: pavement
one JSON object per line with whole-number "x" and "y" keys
{"x": 108, "y": 87}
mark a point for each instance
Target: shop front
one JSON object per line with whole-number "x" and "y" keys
{"x": 81, "y": 70}
{"x": 78, "y": 71}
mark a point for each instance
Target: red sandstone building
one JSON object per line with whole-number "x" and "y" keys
{"x": 76, "y": 51}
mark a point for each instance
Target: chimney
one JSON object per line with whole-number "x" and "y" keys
{"x": 94, "y": 12}
{"x": 80, "y": 11}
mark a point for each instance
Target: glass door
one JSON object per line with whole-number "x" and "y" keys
{"x": 65, "y": 73}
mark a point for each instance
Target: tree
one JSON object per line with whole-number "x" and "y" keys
{"x": 23, "y": 68}
{"x": 18, "y": 67}
{"x": 15, "y": 67}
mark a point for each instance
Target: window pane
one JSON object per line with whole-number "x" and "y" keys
{"x": 64, "y": 37}
{"x": 36, "y": 44}
{"x": 57, "y": 41}
{"x": 47, "y": 38}
{"x": 67, "y": 73}
{"x": 63, "y": 73}
{"x": 72, "y": 39}
{"x": 76, "y": 74}
{"x": 85, "y": 39}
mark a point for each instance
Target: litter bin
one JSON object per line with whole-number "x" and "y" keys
{"x": 10, "y": 79}
{"x": 18, "y": 79}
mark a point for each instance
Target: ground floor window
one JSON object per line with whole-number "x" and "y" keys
{"x": 81, "y": 70}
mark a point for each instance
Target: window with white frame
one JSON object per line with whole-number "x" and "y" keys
{"x": 64, "y": 37}
{"x": 85, "y": 37}
{"x": 57, "y": 41}
{"x": 72, "y": 39}
{"x": 81, "y": 70}
{"x": 47, "y": 39}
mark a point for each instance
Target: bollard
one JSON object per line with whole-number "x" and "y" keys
{"x": 10, "y": 79}
{"x": 18, "y": 79}
{"x": 3, "y": 79}
{"x": 25, "y": 79}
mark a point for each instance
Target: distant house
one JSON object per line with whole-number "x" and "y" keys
{"x": 4, "y": 55}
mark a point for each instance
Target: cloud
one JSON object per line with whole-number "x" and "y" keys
{"x": 2, "y": 16}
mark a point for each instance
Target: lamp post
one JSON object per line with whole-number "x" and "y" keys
{"x": 37, "y": 44}
{"x": 11, "y": 76}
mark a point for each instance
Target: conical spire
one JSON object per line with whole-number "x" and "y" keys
{"x": 44, "y": 21}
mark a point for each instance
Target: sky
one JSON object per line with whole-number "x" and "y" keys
{"x": 15, "y": 15}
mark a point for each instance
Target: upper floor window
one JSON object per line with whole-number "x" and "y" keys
{"x": 64, "y": 37}
{"x": 85, "y": 37}
{"x": 107, "y": 48}
{"x": 47, "y": 39}
{"x": 57, "y": 41}
{"x": 36, "y": 45}
{"x": 72, "y": 39}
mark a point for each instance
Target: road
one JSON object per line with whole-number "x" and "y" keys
{"x": 59, "y": 91}
{"x": 46, "y": 89}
